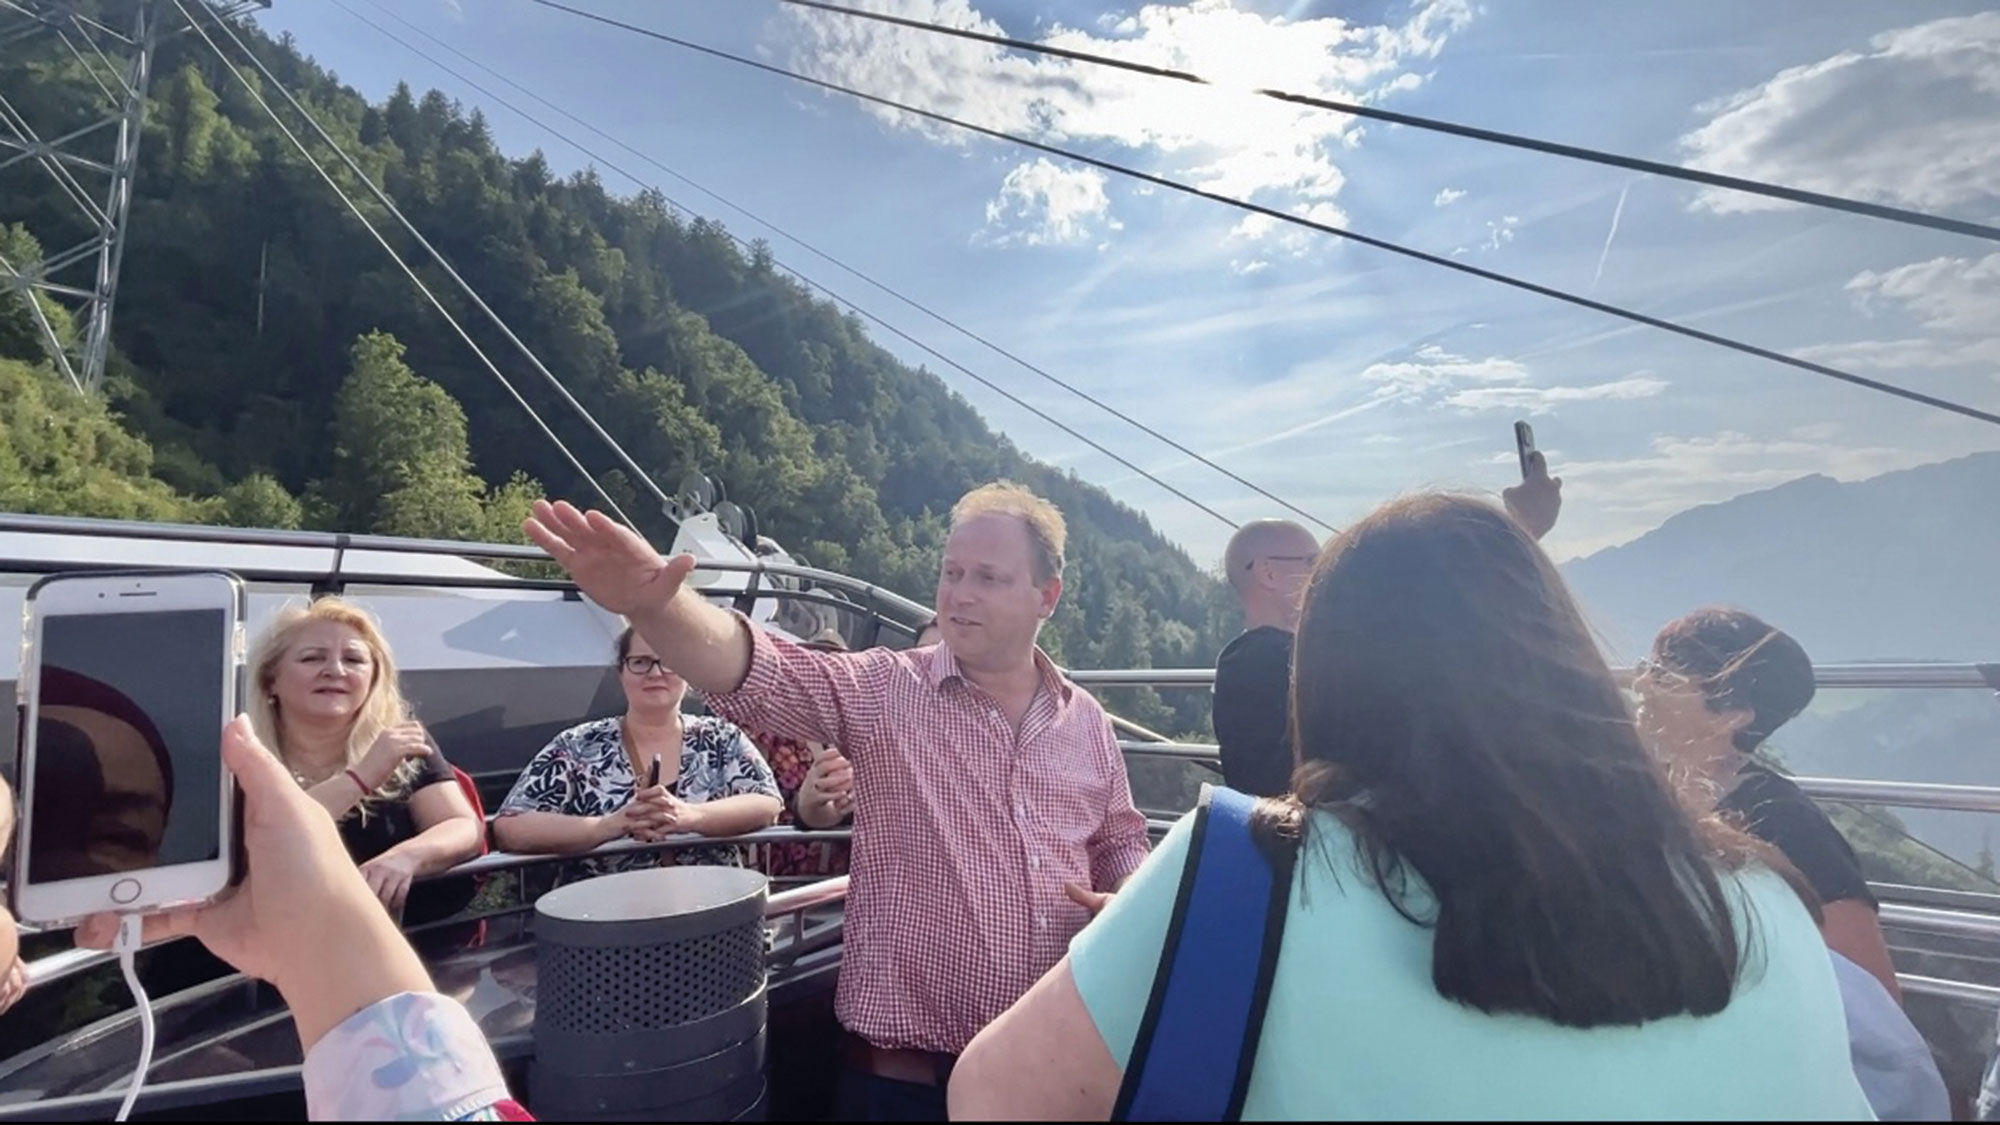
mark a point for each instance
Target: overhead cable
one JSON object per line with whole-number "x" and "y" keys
{"x": 641, "y": 477}
{"x": 803, "y": 278}
{"x": 1436, "y": 125}
{"x": 251, "y": 89}
{"x": 1439, "y": 260}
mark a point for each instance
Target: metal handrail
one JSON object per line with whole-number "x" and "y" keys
{"x": 1912, "y": 675}
{"x": 1141, "y": 677}
{"x": 1198, "y": 751}
{"x": 1127, "y": 726}
{"x": 341, "y": 543}
{"x": 69, "y": 962}
{"x": 1903, "y": 794}
{"x": 498, "y": 861}
{"x": 1893, "y": 794}
{"x": 1984, "y": 994}
{"x": 89, "y": 527}
{"x": 798, "y": 900}
{"x": 1950, "y": 923}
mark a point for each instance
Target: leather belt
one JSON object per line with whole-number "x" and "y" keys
{"x": 919, "y": 1068}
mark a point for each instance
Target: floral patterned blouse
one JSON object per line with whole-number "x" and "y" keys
{"x": 791, "y": 760}
{"x": 585, "y": 771}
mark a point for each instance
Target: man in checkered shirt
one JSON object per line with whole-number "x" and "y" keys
{"x": 992, "y": 812}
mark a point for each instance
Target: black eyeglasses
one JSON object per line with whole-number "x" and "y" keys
{"x": 1252, "y": 564}
{"x": 645, "y": 665}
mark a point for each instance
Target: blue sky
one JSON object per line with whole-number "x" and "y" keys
{"x": 1332, "y": 374}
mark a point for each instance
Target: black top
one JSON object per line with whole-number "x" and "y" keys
{"x": 1776, "y": 811}
{"x": 389, "y": 822}
{"x": 1253, "y": 689}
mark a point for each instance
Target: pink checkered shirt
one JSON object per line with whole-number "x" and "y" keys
{"x": 963, "y": 834}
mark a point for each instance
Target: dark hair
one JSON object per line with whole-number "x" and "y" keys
{"x": 624, "y": 644}
{"x": 1450, "y": 707}
{"x": 1740, "y": 663}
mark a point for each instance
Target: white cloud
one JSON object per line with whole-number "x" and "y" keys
{"x": 1913, "y": 354}
{"x": 1043, "y": 204}
{"x": 1949, "y": 294}
{"x": 1472, "y": 386}
{"x": 1541, "y": 400}
{"x": 1500, "y": 233}
{"x": 1290, "y": 239}
{"x": 1433, "y": 367}
{"x": 1446, "y": 197}
{"x": 1956, "y": 299}
{"x": 1220, "y": 137}
{"x": 1914, "y": 119}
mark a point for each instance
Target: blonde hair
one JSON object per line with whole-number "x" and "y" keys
{"x": 1046, "y": 530}
{"x": 383, "y": 708}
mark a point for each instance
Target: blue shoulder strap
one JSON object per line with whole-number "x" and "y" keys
{"x": 1197, "y": 1041}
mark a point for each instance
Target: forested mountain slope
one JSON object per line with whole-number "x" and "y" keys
{"x": 274, "y": 367}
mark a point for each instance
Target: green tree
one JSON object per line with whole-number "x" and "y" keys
{"x": 399, "y": 460}
{"x": 63, "y": 453}
{"x": 259, "y": 501}
{"x": 20, "y": 336}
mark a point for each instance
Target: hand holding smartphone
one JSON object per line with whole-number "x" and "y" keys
{"x": 1537, "y": 501}
{"x": 127, "y": 683}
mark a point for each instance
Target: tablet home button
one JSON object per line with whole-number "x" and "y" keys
{"x": 124, "y": 891}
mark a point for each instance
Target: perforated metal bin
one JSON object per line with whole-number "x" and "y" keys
{"x": 650, "y": 998}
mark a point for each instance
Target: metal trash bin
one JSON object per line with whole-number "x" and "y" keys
{"x": 650, "y": 1002}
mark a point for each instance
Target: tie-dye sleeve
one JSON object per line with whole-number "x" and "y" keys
{"x": 415, "y": 1056}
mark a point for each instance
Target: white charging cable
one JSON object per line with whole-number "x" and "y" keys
{"x": 131, "y": 930}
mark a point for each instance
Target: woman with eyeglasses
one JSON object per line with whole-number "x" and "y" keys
{"x": 596, "y": 782}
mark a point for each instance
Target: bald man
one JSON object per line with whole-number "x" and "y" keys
{"x": 1267, "y": 562}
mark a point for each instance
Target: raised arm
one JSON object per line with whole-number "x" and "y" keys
{"x": 748, "y": 675}
{"x": 621, "y": 572}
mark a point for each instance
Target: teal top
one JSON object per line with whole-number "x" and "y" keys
{"x": 1355, "y": 1030}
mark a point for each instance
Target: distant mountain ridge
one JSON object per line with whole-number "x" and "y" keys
{"x": 1902, "y": 566}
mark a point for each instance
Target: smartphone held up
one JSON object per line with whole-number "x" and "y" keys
{"x": 126, "y": 682}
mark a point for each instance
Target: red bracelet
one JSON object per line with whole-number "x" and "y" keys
{"x": 356, "y": 779}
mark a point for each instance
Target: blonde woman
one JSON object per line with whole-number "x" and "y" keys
{"x": 328, "y": 703}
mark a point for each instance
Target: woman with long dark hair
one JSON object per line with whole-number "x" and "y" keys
{"x": 1718, "y": 684}
{"x": 1498, "y": 906}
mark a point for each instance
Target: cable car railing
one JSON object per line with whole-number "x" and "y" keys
{"x": 791, "y": 903}
{"x": 1941, "y": 912}
{"x": 55, "y": 966}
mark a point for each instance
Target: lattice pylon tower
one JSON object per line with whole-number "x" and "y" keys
{"x": 92, "y": 165}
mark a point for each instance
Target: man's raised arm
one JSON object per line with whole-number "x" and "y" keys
{"x": 620, "y": 571}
